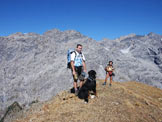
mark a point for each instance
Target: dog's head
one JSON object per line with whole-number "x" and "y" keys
{"x": 92, "y": 74}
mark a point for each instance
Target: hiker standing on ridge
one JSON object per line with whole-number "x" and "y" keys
{"x": 78, "y": 67}
{"x": 109, "y": 72}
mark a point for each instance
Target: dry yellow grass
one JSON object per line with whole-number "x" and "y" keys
{"x": 123, "y": 102}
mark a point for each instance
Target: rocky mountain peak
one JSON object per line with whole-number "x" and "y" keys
{"x": 152, "y": 34}
{"x": 127, "y": 36}
{"x": 52, "y": 32}
{"x": 31, "y": 34}
{"x": 106, "y": 39}
{"x": 72, "y": 32}
{"x": 16, "y": 35}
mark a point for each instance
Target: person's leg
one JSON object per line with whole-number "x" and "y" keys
{"x": 110, "y": 81}
{"x": 80, "y": 70}
{"x": 107, "y": 76}
{"x": 81, "y": 84}
{"x": 75, "y": 77}
{"x": 75, "y": 80}
{"x": 76, "y": 88}
{"x": 75, "y": 85}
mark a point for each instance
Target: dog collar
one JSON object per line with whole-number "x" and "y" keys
{"x": 90, "y": 79}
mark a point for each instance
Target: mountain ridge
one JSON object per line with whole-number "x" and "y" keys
{"x": 124, "y": 102}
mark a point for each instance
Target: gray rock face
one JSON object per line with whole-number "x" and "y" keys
{"x": 33, "y": 66}
{"x": 139, "y": 58}
{"x": 11, "y": 112}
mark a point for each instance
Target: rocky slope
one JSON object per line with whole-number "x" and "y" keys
{"x": 137, "y": 58}
{"x": 33, "y": 66}
{"x": 123, "y": 102}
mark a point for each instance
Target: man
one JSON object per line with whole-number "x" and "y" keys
{"x": 78, "y": 67}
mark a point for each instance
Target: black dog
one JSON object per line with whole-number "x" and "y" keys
{"x": 89, "y": 85}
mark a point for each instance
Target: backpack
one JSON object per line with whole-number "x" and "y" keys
{"x": 70, "y": 51}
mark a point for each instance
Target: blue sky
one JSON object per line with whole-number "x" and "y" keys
{"x": 97, "y": 19}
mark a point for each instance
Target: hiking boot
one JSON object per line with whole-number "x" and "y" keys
{"x": 76, "y": 92}
{"x": 104, "y": 84}
{"x": 110, "y": 84}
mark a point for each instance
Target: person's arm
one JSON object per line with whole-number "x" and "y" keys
{"x": 72, "y": 66}
{"x": 84, "y": 66}
{"x": 113, "y": 68}
{"x": 72, "y": 63}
